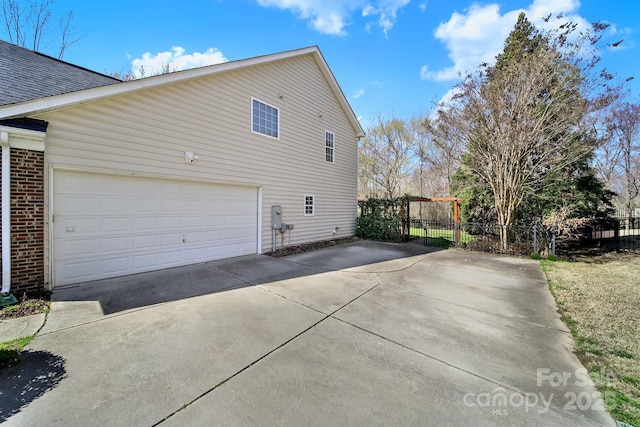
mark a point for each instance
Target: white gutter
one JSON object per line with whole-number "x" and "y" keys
{"x": 6, "y": 212}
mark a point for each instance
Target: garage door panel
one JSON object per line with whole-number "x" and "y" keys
{"x": 114, "y": 185}
{"x": 71, "y": 248}
{"x": 77, "y": 226}
{"x": 146, "y": 187}
{"x": 142, "y": 206}
{"x": 115, "y": 244}
{"x": 78, "y": 271}
{"x": 146, "y": 262}
{"x": 168, "y": 240}
{"x": 74, "y": 184}
{"x": 171, "y": 258}
{"x": 171, "y": 188}
{"x": 194, "y": 255}
{"x": 107, "y": 226}
{"x": 215, "y": 206}
{"x": 78, "y": 205}
{"x": 195, "y": 221}
{"x": 145, "y": 223}
{"x": 116, "y": 224}
{"x": 194, "y": 237}
{"x": 214, "y": 220}
{"x": 171, "y": 205}
{"x": 111, "y": 267}
{"x": 172, "y": 222}
{"x": 115, "y": 205}
{"x": 145, "y": 242}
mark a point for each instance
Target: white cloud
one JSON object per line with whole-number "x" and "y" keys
{"x": 357, "y": 94}
{"x": 387, "y": 12}
{"x": 174, "y": 60}
{"x": 333, "y": 16}
{"x": 477, "y": 35}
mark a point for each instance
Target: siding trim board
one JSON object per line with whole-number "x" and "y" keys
{"x": 23, "y": 199}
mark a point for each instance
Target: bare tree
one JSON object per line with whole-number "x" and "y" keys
{"x": 625, "y": 126}
{"x": 29, "y": 23}
{"x": 444, "y": 151}
{"x": 387, "y": 157}
{"x": 524, "y": 118}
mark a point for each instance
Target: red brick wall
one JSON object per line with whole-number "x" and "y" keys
{"x": 27, "y": 221}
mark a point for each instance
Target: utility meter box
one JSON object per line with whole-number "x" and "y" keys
{"x": 276, "y": 216}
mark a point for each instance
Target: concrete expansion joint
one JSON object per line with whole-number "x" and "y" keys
{"x": 44, "y": 322}
{"x": 406, "y": 267}
{"x": 284, "y": 344}
{"x": 105, "y": 318}
{"x": 348, "y": 270}
{"x": 444, "y": 362}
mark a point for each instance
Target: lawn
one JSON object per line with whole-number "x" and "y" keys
{"x": 599, "y": 299}
{"x": 440, "y": 237}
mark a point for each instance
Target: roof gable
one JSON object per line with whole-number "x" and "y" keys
{"x": 26, "y": 75}
{"x": 97, "y": 93}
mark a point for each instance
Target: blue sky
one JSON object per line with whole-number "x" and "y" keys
{"x": 391, "y": 57}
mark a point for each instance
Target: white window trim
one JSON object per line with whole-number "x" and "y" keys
{"x": 269, "y": 105}
{"x": 313, "y": 205}
{"x": 333, "y": 157}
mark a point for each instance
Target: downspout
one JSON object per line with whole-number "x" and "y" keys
{"x": 6, "y": 213}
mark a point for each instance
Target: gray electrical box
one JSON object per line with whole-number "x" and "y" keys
{"x": 276, "y": 216}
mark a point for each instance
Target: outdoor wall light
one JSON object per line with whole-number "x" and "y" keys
{"x": 190, "y": 157}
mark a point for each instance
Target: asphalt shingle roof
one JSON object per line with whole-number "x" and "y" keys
{"x": 27, "y": 75}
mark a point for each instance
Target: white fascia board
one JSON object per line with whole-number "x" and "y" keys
{"x": 24, "y": 138}
{"x": 88, "y": 95}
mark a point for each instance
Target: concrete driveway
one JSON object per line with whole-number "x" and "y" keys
{"x": 360, "y": 334}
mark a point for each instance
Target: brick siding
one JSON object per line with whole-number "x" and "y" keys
{"x": 27, "y": 221}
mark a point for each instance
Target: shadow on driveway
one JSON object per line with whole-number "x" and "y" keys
{"x": 37, "y": 373}
{"x": 145, "y": 289}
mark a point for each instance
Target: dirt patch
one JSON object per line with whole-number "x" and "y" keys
{"x": 307, "y": 247}
{"x": 27, "y": 306}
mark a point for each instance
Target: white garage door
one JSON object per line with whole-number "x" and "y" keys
{"x": 107, "y": 226}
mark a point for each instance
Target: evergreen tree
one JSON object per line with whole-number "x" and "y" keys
{"x": 524, "y": 124}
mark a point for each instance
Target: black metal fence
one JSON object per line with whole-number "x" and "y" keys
{"x": 621, "y": 234}
{"x": 494, "y": 238}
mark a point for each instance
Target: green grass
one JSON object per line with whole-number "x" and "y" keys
{"x": 621, "y": 407}
{"x": 10, "y": 350}
{"x": 598, "y": 299}
{"x": 440, "y": 237}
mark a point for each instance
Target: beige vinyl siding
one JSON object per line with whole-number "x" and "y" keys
{"x": 147, "y": 133}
